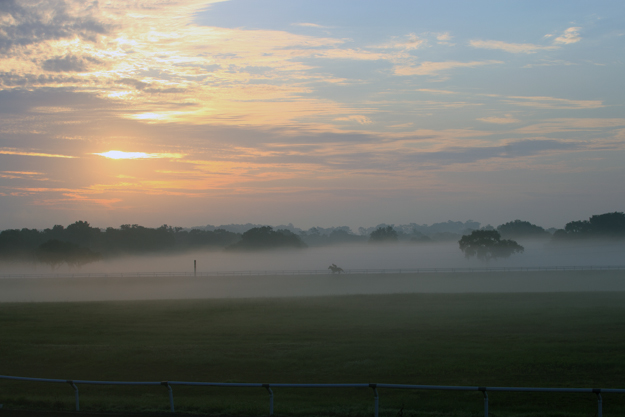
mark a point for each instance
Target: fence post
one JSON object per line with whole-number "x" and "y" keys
{"x": 75, "y": 394}
{"x": 270, "y": 398}
{"x": 376, "y": 399}
{"x": 483, "y": 389}
{"x": 599, "y": 402}
{"x": 171, "y": 395}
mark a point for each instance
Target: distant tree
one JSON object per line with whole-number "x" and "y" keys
{"x": 519, "y": 229}
{"x": 260, "y": 238}
{"x": 383, "y": 234}
{"x": 54, "y": 253}
{"x": 81, "y": 233}
{"x": 487, "y": 244}
{"x": 607, "y": 225}
{"x": 196, "y": 238}
{"x": 138, "y": 239}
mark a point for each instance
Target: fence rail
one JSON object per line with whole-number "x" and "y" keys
{"x": 374, "y": 387}
{"x": 317, "y": 272}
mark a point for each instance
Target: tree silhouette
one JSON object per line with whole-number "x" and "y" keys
{"x": 607, "y": 225}
{"x": 519, "y": 229}
{"x": 487, "y": 245}
{"x": 383, "y": 234}
{"x": 265, "y": 237}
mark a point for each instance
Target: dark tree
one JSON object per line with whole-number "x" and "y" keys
{"x": 607, "y": 225}
{"x": 138, "y": 239}
{"x": 578, "y": 228}
{"x": 196, "y": 238}
{"x": 487, "y": 244}
{"x": 383, "y": 234}
{"x": 260, "y": 238}
{"x": 54, "y": 253}
{"x": 519, "y": 229}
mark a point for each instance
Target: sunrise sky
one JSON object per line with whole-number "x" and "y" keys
{"x": 313, "y": 112}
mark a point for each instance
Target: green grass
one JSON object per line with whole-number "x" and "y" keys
{"x": 545, "y": 340}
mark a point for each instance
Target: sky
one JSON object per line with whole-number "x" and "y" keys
{"x": 319, "y": 113}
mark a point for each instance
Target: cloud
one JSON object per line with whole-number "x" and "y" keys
{"x": 433, "y": 68}
{"x": 570, "y": 35}
{"x": 507, "y": 119}
{"x": 26, "y": 153}
{"x": 25, "y": 23}
{"x": 309, "y": 25}
{"x": 68, "y": 63}
{"x": 30, "y": 175}
{"x": 408, "y": 43}
{"x": 363, "y": 120}
{"x": 138, "y": 155}
{"x": 541, "y": 102}
{"x": 436, "y": 91}
{"x": 572, "y": 125}
{"x": 509, "y": 150}
{"x": 514, "y": 48}
{"x": 549, "y": 63}
{"x": 445, "y": 36}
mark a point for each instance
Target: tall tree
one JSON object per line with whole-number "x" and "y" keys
{"x": 487, "y": 245}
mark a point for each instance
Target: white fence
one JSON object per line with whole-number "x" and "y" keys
{"x": 317, "y": 272}
{"x": 484, "y": 390}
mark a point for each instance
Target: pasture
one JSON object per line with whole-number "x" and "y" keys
{"x": 556, "y": 339}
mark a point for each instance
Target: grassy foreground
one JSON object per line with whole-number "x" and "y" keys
{"x": 556, "y": 339}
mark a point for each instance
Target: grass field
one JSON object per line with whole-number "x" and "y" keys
{"x": 514, "y": 339}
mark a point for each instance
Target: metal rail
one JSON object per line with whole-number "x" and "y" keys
{"x": 317, "y": 272}
{"x": 374, "y": 387}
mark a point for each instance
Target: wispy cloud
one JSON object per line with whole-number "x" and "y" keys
{"x": 436, "y": 91}
{"x": 309, "y": 25}
{"x": 507, "y": 119}
{"x": 433, "y": 68}
{"x": 26, "y": 153}
{"x": 363, "y": 120}
{"x": 570, "y": 35}
{"x": 408, "y": 42}
{"x": 541, "y": 102}
{"x": 549, "y": 63}
{"x": 515, "y": 48}
{"x": 30, "y": 175}
{"x": 139, "y": 155}
{"x": 444, "y": 38}
{"x": 572, "y": 125}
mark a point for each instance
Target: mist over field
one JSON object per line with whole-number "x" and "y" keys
{"x": 362, "y": 256}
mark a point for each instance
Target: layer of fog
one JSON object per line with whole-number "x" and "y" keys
{"x": 364, "y": 256}
{"x": 390, "y": 257}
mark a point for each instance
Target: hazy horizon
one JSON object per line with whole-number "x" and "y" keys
{"x": 400, "y": 255}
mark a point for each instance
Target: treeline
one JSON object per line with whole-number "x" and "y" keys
{"x": 128, "y": 239}
{"x": 600, "y": 226}
{"x": 81, "y": 243}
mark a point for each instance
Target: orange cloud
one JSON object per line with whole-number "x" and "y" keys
{"x": 24, "y": 153}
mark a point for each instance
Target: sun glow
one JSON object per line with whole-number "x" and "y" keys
{"x": 138, "y": 155}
